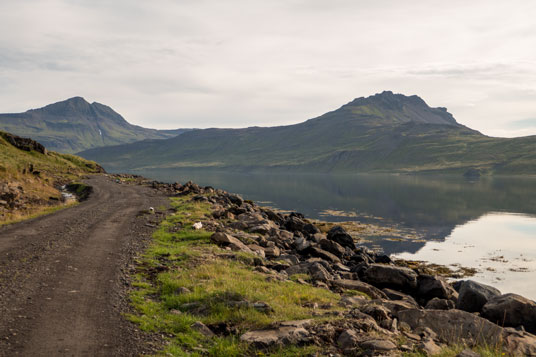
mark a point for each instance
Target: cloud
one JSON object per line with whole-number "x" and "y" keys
{"x": 208, "y": 63}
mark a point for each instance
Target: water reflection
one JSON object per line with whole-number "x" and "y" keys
{"x": 460, "y": 221}
{"x": 433, "y": 206}
{"x": 501, "y": 246}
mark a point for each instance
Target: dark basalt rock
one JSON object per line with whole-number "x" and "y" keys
{"x": 430, "y": 287}
{"x": 339, "y": 235}
{"x": 25, "y": 144}
{"x": 511, "y": 310}
{"x": 473, "y": 296}
{"x": 389, "y": 276}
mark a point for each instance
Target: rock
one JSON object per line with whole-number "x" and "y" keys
{"x": 302, "y": 244}
{"x": 318, "y": 272}
{"x": 391, "y": 277}
{"x": 453, "y": 326}
{"x": 439, "y": 304}
{"x": 430, "y": 287}
{"x": 317, "y": 252}
{"x": 395, "y": 306}
{"x": 272, "y": 251}
{"x": 332, "y": 247}
{"x": 383, "y": 259}
{"x": 357, "y": 285}
{"x": 291, "y": 332}
{"x": 397, "y": 295}
{"x": 473, "y": 296}
{"x": 235, "y": 199}
{"x": 429, "y": 347}
{"x": 263, "y": 228}
{"x": 378, "y": 312}
{"x": 295, "y": 224}
{"x": 289, "y": 258}
{"x": 221, "y": 238}
{"x": 467, "y": 353}
{"x": 257, "y": 249}
{"x": 182, "y": 290}
{"x": 262, "y": 307}
{"x": 341, "y": 267}
{"x": 302, "y": 268}
{"x": 378, "y": 345}
{"x": 348, "y": 339}
{"x": 511, "y": 310}
{"x": 310, "y": 229}
{"x": 202, "y": 328}
{"x": 351, "y": 300}
{"x": 339, "y": 235}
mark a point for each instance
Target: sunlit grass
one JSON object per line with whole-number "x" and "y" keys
{"x": 215, "y": 284}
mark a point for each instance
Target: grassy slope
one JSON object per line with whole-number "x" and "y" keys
{"x": 330, "y": 147}
{"x": 52, "y": 168}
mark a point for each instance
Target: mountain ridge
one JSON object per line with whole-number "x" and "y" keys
{"x": 385, "y": 132}
{"x": 74, "y": 125}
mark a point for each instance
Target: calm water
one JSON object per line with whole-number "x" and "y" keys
{"x": 488, "y": 224}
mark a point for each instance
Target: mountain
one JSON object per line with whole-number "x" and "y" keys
{"x": 385, "y": 132}
{"x": 75, "y": 125}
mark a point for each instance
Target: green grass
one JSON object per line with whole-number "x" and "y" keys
{"x": 215, "y": 283}
{"x": 39, "y": 185}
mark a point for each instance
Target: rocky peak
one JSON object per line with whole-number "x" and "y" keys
{"x": 71, "y": 106}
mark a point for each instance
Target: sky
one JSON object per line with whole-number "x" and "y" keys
{"x": 237, "y": 63}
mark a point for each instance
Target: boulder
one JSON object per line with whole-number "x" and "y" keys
{"x": 390, "y": 276}
{"x": 310, "y": 229}
{"x": 511, "y": 310}
{"x": 439, "y": 304}
{"x": 225, "y": 239}
{"x": 473, "y": 296}
{"x": 318, "y": 272}
{"x": 202, "y": 329}
{"x": 235, "y": 199}
{"x": 378, "y": 345}
{"x": 272, "y": 251}
{"x": 295, "y": 224}
{"x": 429, "y": 347}
{"x": 290, "y": 332}
{"x": 317, "y": 252}
{"x": 348, "y": 339}
{"x": 430, "y": 287}
{"x": 332, "y": 247}
{"x": 339, "y": 235}
{"x": 454, "y": 326}
{"x": 360, "y": 286}
{"x": 302, "y": 268}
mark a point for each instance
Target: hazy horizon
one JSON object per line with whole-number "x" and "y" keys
{"x": 167, "y": 64}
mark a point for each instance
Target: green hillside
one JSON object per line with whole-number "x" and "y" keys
{"x": 74, "y": 125}
{"x": 383, "y": 133}
{"x": 30, "y": 176}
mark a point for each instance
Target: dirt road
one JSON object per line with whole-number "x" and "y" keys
{"x": 62, "y": 276}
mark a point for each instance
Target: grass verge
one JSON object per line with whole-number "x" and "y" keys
{"x": 184, "y": 278}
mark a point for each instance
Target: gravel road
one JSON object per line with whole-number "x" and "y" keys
{"x": 63, "y": 278}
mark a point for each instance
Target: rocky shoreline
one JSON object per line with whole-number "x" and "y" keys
{"x": 385, "y": 308}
